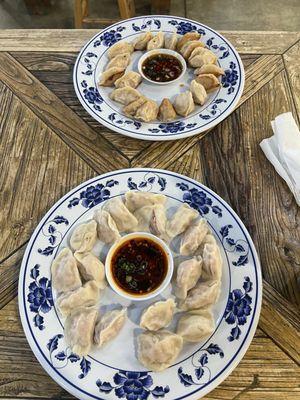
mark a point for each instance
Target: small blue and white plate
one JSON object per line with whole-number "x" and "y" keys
{"x": 95, "y": 99}
{"x": 113, "y": 372}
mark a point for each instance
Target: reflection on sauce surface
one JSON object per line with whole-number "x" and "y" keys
{"x": 139, "y": 265}
{"x": 162, "y": 67}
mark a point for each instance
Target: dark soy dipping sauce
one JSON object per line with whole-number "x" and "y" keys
{"x": 162, "y": 67}
{"x": 139, "y": 266}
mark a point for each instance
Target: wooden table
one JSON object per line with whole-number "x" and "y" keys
{"x": 49, "y": 144}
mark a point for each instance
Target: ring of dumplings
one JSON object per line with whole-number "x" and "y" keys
{"x": 125, "y": 83}
{"x": 78, "y": 278}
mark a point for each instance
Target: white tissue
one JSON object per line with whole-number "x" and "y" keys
{"x": 283, "y": 151}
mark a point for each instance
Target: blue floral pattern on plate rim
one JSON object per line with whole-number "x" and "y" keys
{"x": 231, "y": 92}
{"x": 167, "y": 179}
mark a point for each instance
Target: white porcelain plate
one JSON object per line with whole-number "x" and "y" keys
{"x": 114, "y": 372}
{"x": 95, "y": 99}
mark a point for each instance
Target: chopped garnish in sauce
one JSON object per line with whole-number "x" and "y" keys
{"x": 139, "y": 266}
{"x": 162, "y": 67}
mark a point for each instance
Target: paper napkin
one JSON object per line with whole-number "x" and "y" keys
{"x": 283, "y": 151}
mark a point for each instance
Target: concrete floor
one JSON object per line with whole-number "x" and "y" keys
{"x": 219, "y": 14}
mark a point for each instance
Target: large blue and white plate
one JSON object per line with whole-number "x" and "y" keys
{"x": 114, "y": 372}
{"x": 95, "y": 99}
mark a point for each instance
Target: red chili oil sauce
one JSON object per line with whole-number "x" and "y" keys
{"x": 139, "y": 265}
{"x": 162, "y": 67}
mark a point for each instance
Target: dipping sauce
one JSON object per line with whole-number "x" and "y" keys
{"x": 162, "y": 67}
{"x": 139, "y": 265}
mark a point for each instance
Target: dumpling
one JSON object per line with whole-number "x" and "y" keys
{"x": 158, "y": 350}
{"x": 188, "y": 274}
{"x": 212, "y": 262}
{"x": 79, "y": 329}
{"x": 108, "y": 326}
{"x": 141, "y": 42}
{"x": 151, "y": 219}
{"x": 166, "y": 111}
{"x": 189, "y": 46}
{"x": 198, "y": 92}
{"x": 158, "y": 315}
{"x": 171, "y": 41}
{"x": 120, "y": 47}
{"x": 86, "y": 295}
{"x": 65, "y": 274}
{"x": 109, "y": 76}
{"x": 120, "y": 61}
{"x": 125, "y": 95}
{"x": 209, "y": 81}
{"x": 131, "y": 78}
{"x": 106, "y": 227}
{"x": 147, "y": 111}
{"x": 91, "y": 268}
{"x": 186, "y": 38}
{"x": 209, "y": 69}
{"x": 131, "y": 108}
{"x": 135, "y": 200}
{"x": 182, "y": 218}
{"x": 193, "y": 237}
{"x": 205, "y": 57}
{"x": 184, "y": 103}
{"x": 123, "y": 218}
{"x": 84, "y": 237}
{"x": 196, "y": 51}
{"x": 157, "y": 42}
{"x": 202, "y": 295}
{"x": 196, "y": 325}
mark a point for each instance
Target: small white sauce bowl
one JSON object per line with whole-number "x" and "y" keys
{"x": 131, "y": 296}
{"x": 161, "y": 51}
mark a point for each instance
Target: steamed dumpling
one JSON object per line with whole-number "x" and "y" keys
{"x": 157, "y": 42}
{"x": 120, "y": 47}
{"x": 198, "y": 92}
{"x": 125, "y": 95}
{"x": 84, "y": 237}
{"x": 202, "y": 295}
{"x": 193, "y": 237}
{"x": 151, "y": 219}
{"x": 65, "y": 274}
{"x": 158, "y": 315}
{"x": 141, "y": 42}
{"x": 166, "y": 112}
{"x": 86, "y": 295}
{"x": 79, "y": 329}
{"x": 108, "y": 326}
{"x": 212, "y": 262}
{"x": 106, "y": 227}
{"x": 204, "y": 57}
{"x": 158, "y": 350}
{"x": 123, "y": 218}
{"x": 132, "y": 108}
{"x": 109, "y": 76}
{"x": 131, "y": 78}
{"x": 186, "y": 38}
{"x": 91, "y": 268}
{"x": 182, "y": 218}
{"x": 196, "y": 325}
{"x": 188, "y": 47}
{"x": 171, "y": 41}
{"x": 209, "y": 81}
{"x": 184, "y": 103}
{"x": 135, "y": 200}
{"x": 120, "y": 61}
{"x": 209, "y": 69}
{"x": 147, "y": 111}
{"x": 188, "y": 274}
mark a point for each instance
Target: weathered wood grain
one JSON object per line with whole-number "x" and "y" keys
{"x": 46, "y": 61}
{"x": 291, "y": 61}
{"x": 161, "y": 154}
{"x": 93, "y": 148}
{"x": 37, "y": 168}
{"x": 63, "y": 40}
